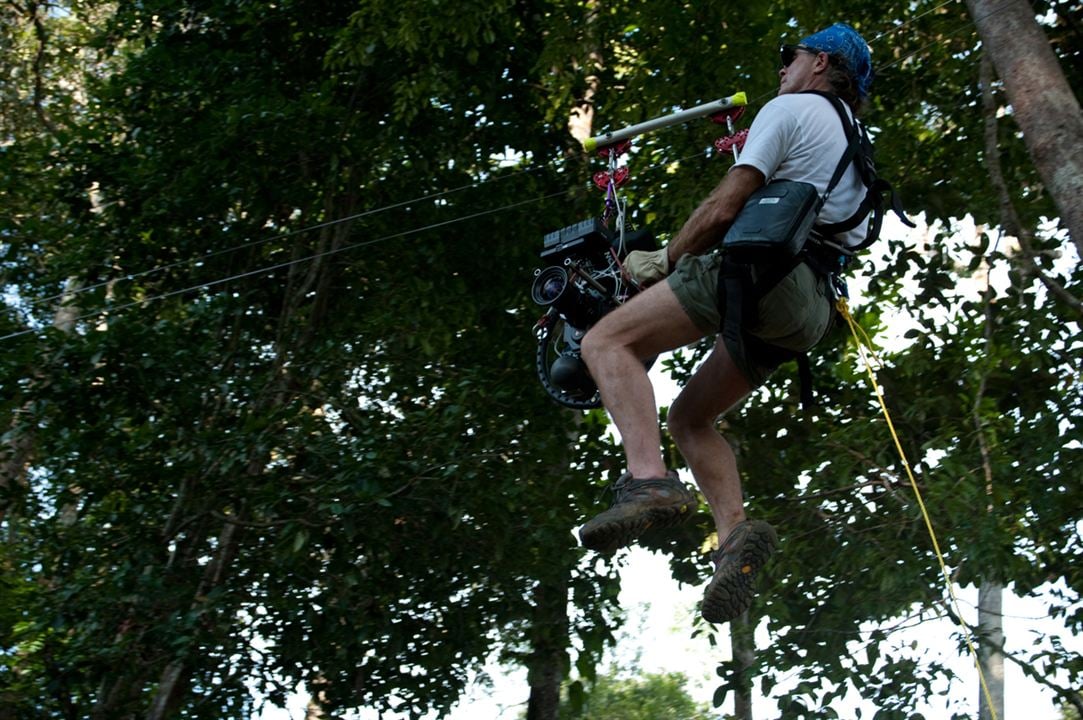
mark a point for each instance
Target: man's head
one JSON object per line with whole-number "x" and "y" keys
{"x": 835, "y": 59}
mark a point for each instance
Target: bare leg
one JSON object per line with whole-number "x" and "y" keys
{"x": 716, "y": 386}
{"x": 646, "y": 496}
{"x": 744, "y": 547}
{"x": 614, "y": 350}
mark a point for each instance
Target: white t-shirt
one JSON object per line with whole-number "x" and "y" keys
{"x": 800, "y": 137}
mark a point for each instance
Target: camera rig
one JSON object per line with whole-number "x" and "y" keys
{"x": 584, "y": 278}
{"x": 583, "y": 283}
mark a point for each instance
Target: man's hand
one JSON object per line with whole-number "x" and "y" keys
{"x": 646, "y": 268}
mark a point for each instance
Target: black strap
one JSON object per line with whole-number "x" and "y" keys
{"x": 858, "y": 151}
{"x": 739, "y": 295}
{"x": 804, "y": 377}
{"x": 850, "y": 154}
{"x": 872, "y": 205}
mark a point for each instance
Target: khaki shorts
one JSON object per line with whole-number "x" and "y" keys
{"x": 794, "y": 315}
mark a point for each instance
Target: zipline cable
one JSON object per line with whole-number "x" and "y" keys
{"x": 281, "y": 236}
{"x": 865, "y": 347}
{"x": 917, "y": 17}
{"x": 279, "y": 266}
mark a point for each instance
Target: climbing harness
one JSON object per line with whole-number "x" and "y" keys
{"x": 747, "y": 276}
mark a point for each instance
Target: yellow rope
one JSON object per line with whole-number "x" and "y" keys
{"x": 866, "y": 348}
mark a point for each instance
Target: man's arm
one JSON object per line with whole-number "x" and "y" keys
{"x": 708, "y": 223}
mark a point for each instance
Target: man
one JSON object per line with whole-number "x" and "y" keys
{"x": 797, "y": 136}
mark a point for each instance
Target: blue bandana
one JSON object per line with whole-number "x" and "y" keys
{"x": 841, "y": 39}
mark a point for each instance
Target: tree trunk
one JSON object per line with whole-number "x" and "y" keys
{"x": 581, "y": 117}
{"x": 544, "y": 702}
{"x": 548, "y": 662}
{"x": 743, "y": 647}
{"x": 314, "y": 709}
{"x": 174, "y": 678}
{"x": 991, "y": 590}
{"x": 1009, "y": 218}
{"x": 170, "y": 688}
{"x": 14, "y": 459}
{"x": 1044, "y": 106}
{"x": 17, "y": 449}
{"x": 990, "y": 655}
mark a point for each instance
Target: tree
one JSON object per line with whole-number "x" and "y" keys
{"x": 256, "y": 468}
{"x": 1044, "y": 105}
{"x": 296, "y": 435}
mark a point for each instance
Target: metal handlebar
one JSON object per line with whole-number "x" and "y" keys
{"x": 715, "y": 106}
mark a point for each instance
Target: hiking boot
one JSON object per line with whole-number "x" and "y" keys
{"x": 638, "y": 505}
{"x": 741, "y": 556}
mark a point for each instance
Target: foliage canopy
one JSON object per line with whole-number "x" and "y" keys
{"x": 268, "y": 365}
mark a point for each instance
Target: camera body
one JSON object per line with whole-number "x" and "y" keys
{"x": 581, "y": 283}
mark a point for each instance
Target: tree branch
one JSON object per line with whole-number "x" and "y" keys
{"x": 42, "y": 36}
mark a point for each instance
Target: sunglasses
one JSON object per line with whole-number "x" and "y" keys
{"x": 789, "y": 53}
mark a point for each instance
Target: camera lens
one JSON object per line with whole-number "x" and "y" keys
{"x": 550, "y": 291}
{"x": 549, "y": 285}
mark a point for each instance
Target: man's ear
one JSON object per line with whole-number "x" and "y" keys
{"x": 821, "y": 63}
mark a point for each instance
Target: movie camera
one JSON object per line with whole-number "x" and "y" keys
{"x": 582, "y": 283}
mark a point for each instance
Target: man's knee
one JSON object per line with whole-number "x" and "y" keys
{"x": 684, "y": 424}
{"x": 605, "y": 338}
{"x": 695, "y": 412}
{"x": 593, "y": 345}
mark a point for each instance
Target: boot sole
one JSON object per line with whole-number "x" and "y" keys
{"x": 611, "y": 536}
{"x": 730, "y": 591}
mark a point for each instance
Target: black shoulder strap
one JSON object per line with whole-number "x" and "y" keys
{"x": 853, "y": 146}
{"x": 860, "y": 149}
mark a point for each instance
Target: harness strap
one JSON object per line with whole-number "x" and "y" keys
{"x": 872, "y": 205}
{"x": 740, "y": 294}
